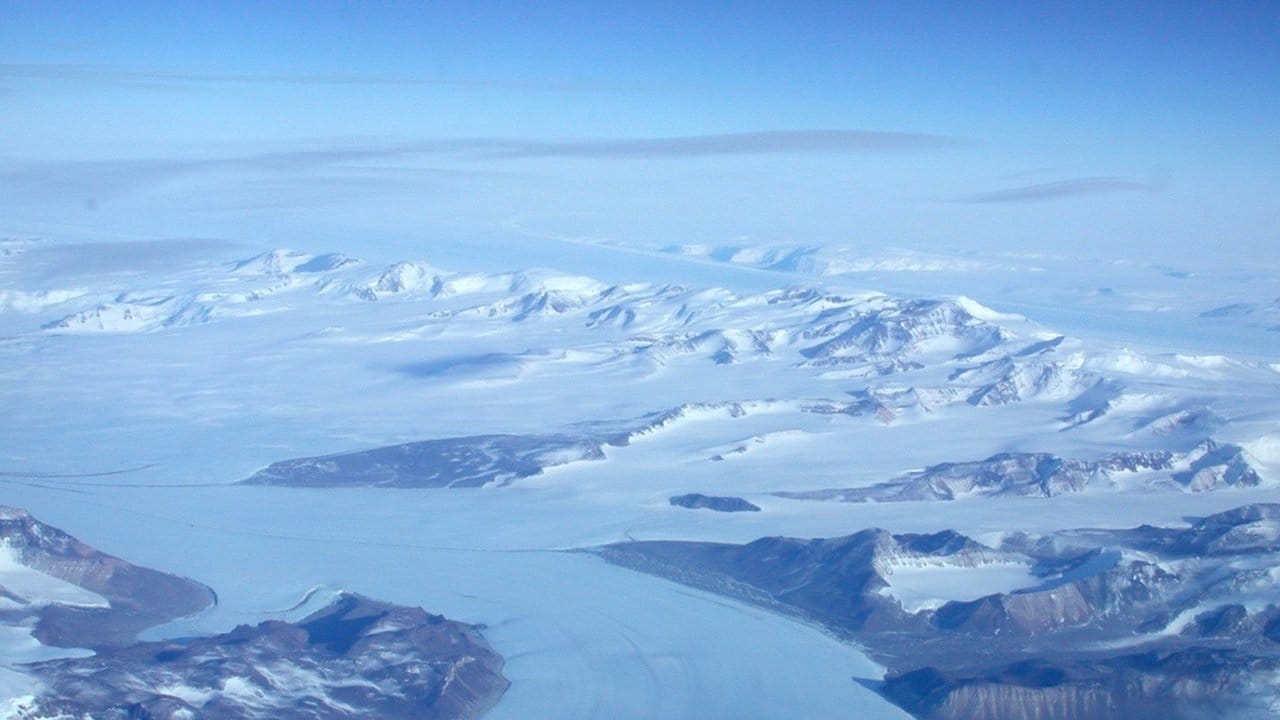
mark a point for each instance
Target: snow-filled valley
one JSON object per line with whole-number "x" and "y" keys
{"x": 285, "y": 425}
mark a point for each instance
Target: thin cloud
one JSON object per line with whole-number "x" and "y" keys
{"x": 95, "y": 258}
{"x": 1100, "y": 185}
{"x": 113, "y": 172}
{"x": 98, "y": 181}
{"x": 90, "y": 181}
{"x": 783, "y": 142}
{"x": 107, "y": 74}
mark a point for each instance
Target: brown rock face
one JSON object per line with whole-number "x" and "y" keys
{"x": 139, "y": 598}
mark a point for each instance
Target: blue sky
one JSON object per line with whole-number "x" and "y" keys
{"x": 1160, "y": 119}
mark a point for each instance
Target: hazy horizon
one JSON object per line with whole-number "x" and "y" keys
{"x": 1126, "y": 129}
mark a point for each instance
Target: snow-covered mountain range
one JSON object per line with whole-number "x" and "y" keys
{"x": 898, "y": 357}
{"x": 349, "y": 419}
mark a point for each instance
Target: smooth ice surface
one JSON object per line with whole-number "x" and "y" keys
{"x": 920, "y": 587}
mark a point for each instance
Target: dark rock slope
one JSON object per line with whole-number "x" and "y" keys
{"x": 139, "y": 598}
{"x": 1146, "y": 622}
{"x": 356, "y": 658}
{"x": 696, "y": 501}
{"x": 450, "y": 462}
{"x": 1183, "y": 684}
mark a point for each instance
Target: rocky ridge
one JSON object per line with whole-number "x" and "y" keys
{"x": 137, "y": 597}
{"x": 355, "y": 658}
{"x": 1206, "y": 467}
{"x": 1109, "y": 621}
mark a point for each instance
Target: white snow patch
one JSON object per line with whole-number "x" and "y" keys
{"x": 188, "y": 694}
{"x": 1138, "y": 401}
{"x": 20, "y": 706}
{"x": 275, "y": 262}
{"x": 557, "y": 282}
{"x": 757, "y": 443}
{"x": 469, "y": 283}
{"x": 982, "y": 312}
{"x": 1265, "y": 449}
{"x": 403, "y": 278}
{"x": 1129, "y": 362}
{"x": 929, "y": 586}
{"x": 40, "y": 588}
{"x": 692, "y": 250}
{"x": 1207, "y": 362}
{"x": 244, "y": 692}
{"x": 563, "y": 456}
{"x": 24, "y": 301}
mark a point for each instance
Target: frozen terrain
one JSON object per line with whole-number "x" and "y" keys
{"x": 287, "y": 425}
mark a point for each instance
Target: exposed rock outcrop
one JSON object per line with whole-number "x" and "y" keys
{"x": 355, "y": 658}
{"x": 718, "y": 503}
{"x": 1040, "y": 651}
{"x": 138, "y": 597}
